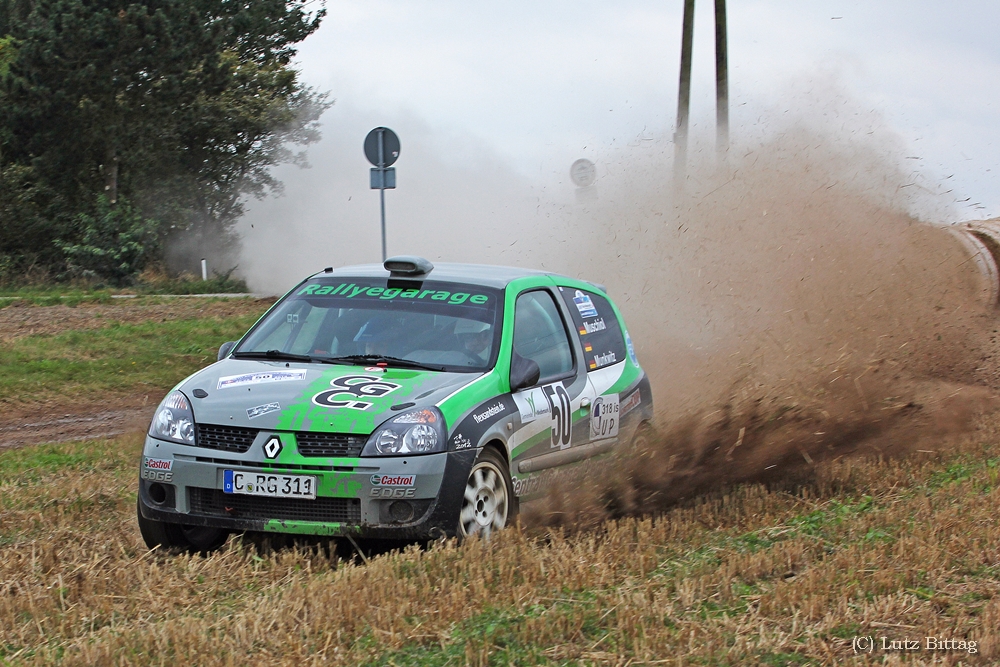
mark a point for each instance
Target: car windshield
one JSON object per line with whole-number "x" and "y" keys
{"x": 436, "y": 325}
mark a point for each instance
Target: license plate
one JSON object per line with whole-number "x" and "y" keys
{"x": 269, "y": 485}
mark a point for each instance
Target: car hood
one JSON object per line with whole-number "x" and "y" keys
{"x": 313, "y": 397}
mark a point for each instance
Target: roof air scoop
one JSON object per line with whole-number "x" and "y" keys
{"x": 407, "y": 265}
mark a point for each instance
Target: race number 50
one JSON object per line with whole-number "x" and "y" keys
{"x": 562, "y": 416}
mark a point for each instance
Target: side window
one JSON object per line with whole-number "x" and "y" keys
{"x": 595, "y": 322}
{"x": 539, "y": 334}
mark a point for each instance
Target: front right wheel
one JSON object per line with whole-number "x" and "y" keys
{"x": 489, "y": 503}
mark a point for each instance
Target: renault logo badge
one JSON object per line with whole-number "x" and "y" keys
{"x": 272, "y": 447}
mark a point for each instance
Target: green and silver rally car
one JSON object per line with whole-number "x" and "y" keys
{"x": 397, "y": 401}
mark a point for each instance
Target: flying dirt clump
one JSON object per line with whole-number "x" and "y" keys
{"x": 788, "y": 309}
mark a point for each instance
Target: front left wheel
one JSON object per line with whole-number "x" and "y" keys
{"x": 489, "y": 503}
{"x": 175, "y": 536}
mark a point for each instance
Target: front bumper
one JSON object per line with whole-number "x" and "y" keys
{"x": 349, "y": 501}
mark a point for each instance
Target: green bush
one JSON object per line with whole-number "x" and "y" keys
{"x": 115, "y": 243}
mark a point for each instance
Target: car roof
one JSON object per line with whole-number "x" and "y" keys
{"x": 487, "y": 275}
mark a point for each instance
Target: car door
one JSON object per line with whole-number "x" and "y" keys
{"x": 605, "y": 350}
{"x": 554, "y": 413}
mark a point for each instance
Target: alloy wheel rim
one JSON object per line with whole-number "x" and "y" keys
{"x": 484, "y": 507}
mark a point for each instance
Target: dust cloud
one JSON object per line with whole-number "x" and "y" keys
{"x": 791, "y": 304}
{"x": 455, "y": 201}
{"x": 793, "y": 300}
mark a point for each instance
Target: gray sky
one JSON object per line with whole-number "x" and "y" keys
{"x": 515, "y": 91}
{"x": 539, "y": 81}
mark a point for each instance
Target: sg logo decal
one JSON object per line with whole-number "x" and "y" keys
{"x": 360, "y": 386}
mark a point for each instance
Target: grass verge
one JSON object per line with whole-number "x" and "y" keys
{"x": 117, "y": 358}
{"x": 894, "y": 550}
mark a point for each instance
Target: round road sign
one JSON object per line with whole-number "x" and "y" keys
{"x": 583, "y": 173}
{"x": 390, "y": 146}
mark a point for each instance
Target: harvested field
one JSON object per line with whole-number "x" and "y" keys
{"x": 782, "y": 576}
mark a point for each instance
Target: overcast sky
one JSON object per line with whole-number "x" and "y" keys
{"x": 539, "y": 81}
{"x": 535, "y": 85}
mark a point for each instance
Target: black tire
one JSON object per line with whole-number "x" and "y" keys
{"x": 177, "y": 537}
{"x": 489, "y": 503}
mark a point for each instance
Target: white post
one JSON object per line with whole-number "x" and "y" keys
{"x": 204, "y": 269}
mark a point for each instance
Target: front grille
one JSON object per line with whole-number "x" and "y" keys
{"x": 226, "y": 438}
{"x": 214, "y": 502}
{"x": 330, "y": 444}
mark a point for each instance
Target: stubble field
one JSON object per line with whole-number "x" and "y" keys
{"x": 789, "y": 573}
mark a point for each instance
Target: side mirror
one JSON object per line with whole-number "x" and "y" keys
{"x": 226, "y": 349}
{"x": 523, "y": 372}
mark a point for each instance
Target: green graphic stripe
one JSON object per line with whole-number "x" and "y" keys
{"x": 308, "y": 528}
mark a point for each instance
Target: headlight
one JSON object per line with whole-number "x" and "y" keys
{"x": 417, "y": 432}
{"x": 174, "y": 420}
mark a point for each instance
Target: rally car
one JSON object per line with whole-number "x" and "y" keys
{"x": 397, "y": 401}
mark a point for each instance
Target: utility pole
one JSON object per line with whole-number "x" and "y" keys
{"x": 684, "y": 95}
{"x": 721, "y": 79}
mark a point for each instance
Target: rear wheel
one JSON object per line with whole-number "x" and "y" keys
{"x": 175, "y": 536}
{"x": 489, "y": 503}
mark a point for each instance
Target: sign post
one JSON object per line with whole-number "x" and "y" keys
{"x": 382, "y": 149}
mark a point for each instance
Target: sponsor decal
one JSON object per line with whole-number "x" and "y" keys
{"x": 631, "y": 350}
{"x": 259, "y": 378}
{"x": 156, "y": 475}
{"x": 393, "y": 480}
{"x": 630, "y": 403}
{"x": 262, "y": 410}
{"x": 160, "y": 464}
{"x": 489, "y": 412}
{"x": 474, "y": 425}
{"x": 593, "y": 327}
{"x": 603, "y": 360}
{"x": 272, "y": 447}
{"x": 532, "y": 484}
{"x": 360, "y": 386}
{"x": 351, "y": 291}
{"x": 604, "y": 417}
{"x": 461, "y": 442}
{"x": 531, "y": 404}
{"x": 392, "y": 492}
{"x": 584, "y": 304}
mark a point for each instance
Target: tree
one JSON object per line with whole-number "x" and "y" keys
{"x": 181, "y": 106}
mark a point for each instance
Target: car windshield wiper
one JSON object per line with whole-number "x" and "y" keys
{"x": 273, "y": 354}
{"x": 380, "y": 358}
